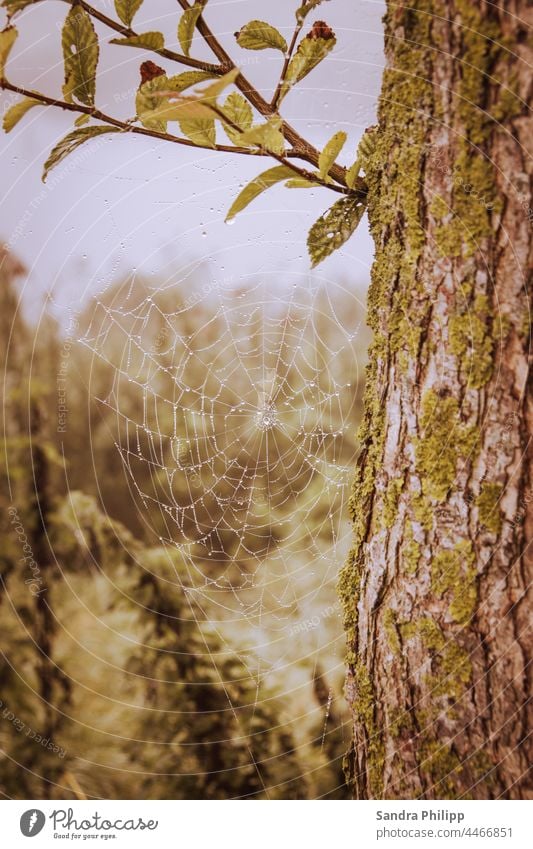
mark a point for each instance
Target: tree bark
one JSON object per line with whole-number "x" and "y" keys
{"x": 434, "y": 591}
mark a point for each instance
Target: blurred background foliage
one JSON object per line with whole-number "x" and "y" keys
{"x": 148, "y": 688}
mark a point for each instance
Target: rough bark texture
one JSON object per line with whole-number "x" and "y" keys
{"x": 435, "y": 589}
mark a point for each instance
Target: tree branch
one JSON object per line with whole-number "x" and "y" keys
{"x": 301, "y": 148}
{"x": 126, "y": 126}
{"x": 306, "y": 150}
{"x": 282, "y": 158}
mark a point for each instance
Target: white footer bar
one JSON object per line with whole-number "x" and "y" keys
{"x": 268, "y": 825}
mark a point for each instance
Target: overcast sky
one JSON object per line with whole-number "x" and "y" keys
{"x": 128, "y": 203}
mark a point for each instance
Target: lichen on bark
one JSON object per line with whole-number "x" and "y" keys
{"x": 444, "y": 439}
{"x": 427, "y": 580}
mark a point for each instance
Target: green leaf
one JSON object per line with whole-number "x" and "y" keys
{"x": 184, "y": 109}
{"x": 199, "y": 130}
{"x": 334, "y": 228}
{"x": 352, "y": 174}
{"x": 13, "y": 6}
{"x": 146, "y": 103}
{"x": 80, "y": 55}
{"x": 17, "y": 112}
{"x": 187, "y": 79}
{"x": 81, "y": 120}
{"x": 210, "y": 94}
{"x": 8, "y": 37}
{"x": 365, "y": 151}
{"x": 267, "y": 136}
{"x": 367, "y": 146}
{"x": 71, "y": 142}
{"x": 330, "y": 153}
{"x": 147, "y": 40}
{"x": 310, "y": 52}
{"x": 258, "y": 186}
{"x": 127, "y": 9}
{"x": 305, "y": 8}
{"x": 301, "y": 183}
{"x": 187, "y": 25}
{"x": 239, "y": 111}
{"x": 258, "y": 35}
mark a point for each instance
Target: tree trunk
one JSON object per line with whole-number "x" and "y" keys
{"x": 434, "y": 589}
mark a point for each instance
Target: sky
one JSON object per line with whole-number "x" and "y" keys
{"x": 127, "y": 204}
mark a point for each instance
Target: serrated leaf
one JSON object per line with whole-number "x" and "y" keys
{"x": 261, "y": 183}
{"x": 147, "y": 40}
{"x": 17, "y": 112}
{"x": 201, "y": 131}
{"x": 305, "y": 8}
{"x": 146, "y": 103}
{"x": 352, "y": 174}
{"x": 310, "y": 52}
{"x": 267, "y": 136}
{"x": 8, "y": 36}
{"x": 80, "y": 55}
{"x": 154, "y": 108}
{"x": 127, "y": 9}
{"x": 71, "y": 142}
{"x": 365, "y": 150}
{"x": 334, "y": 228}
{"x": 367, "y": 146}
{"x": 258, "y": 35}
{"x": 330, "y": 153}
{"x": 187, "y": 26}
{"x": 239, "y": 111}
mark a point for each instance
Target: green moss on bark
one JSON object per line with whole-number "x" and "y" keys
{"x": 472, "y": 343}
{"x": 391, "y": 501}
{"x": 488, "y": 505}
{"x": 410, "y": 552}
{"x": 441, "y": 764}
{"x": 452, "y": 670}
{"x": 453, "y": 574}
{"x": 397, "y": 305}
{"x": 444, "y": 439}
{"x": 509, "y": 104}
{"x": 365, "y": 712}
{"x": 475, "y": 198}
{"x": 391, "y": 631}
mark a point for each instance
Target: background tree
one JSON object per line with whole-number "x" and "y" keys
{"x": 118, "y": 666}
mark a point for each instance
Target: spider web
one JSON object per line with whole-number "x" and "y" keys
{"x": 235, "y": 414}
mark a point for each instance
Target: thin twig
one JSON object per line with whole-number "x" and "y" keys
{"x": 126, "y": 126}
{"x": 292, "y": 45}
{"x": 282, "y": 158}
{"x": 300, "y": 172}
